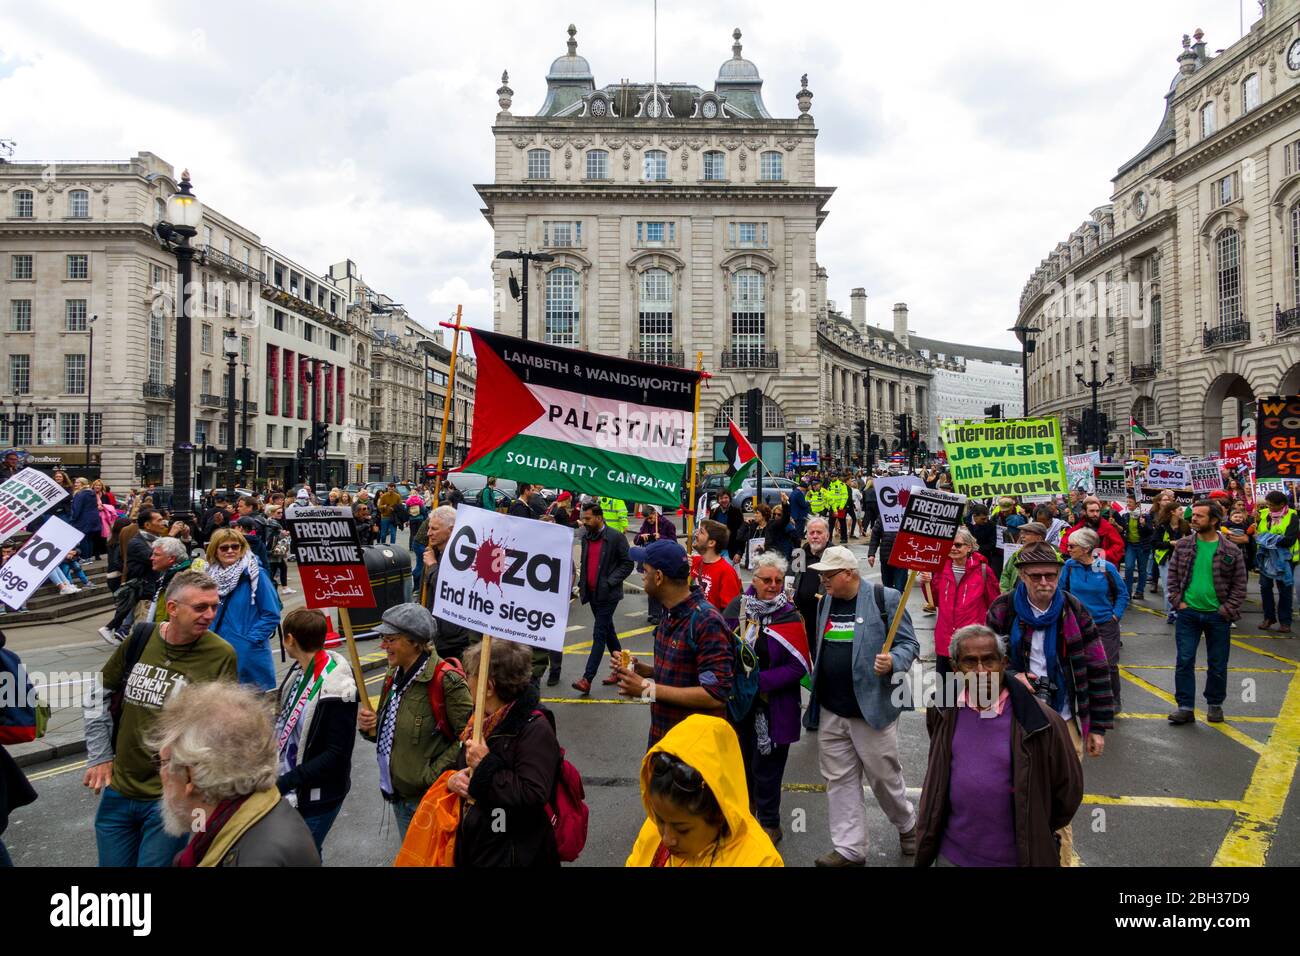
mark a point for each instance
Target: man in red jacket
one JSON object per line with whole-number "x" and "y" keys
{"x": 1111, "y": 541}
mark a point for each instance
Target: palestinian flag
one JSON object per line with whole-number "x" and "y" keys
{"x": 740, "y": 456}
{"x": 792, "y": 636}
{"x": 1138, "y": 429}
{"x": 592, "y": 423}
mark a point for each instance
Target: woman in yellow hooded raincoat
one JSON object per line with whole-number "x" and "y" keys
{"x": 697, "y": 807}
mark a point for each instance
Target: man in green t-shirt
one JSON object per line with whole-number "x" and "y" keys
{"x": 1207, "y": 585}
{"x": 128, "y": 824}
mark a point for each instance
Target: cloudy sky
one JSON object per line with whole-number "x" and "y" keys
{"x": 964, "y": 140}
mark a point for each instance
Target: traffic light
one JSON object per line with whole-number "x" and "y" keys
{"x": 912, "y": 437}
{"x": 139, "y": 463}
{"x": 792, "y": 444}
{"x": 873, "y": 443}
{"x": 993, "y": 411}
{"x": 321, "y": 439}
{"x": 861, "y": 428}
{"x": 902, "y": 429}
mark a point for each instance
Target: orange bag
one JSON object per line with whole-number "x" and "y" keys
{"x": 431, "y": 837}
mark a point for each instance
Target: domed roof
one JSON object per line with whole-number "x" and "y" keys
{"x": 738, "y": 69}
{"x": 571, "y": 66}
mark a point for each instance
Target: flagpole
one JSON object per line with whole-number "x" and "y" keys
{"x": 442, "y": 440}
{"x": 695, "y": 444}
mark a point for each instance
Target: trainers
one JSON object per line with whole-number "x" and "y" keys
{"x": 1181, "y": 716}
{"x": 907, "y": 841}
{"x": 582, "y": 685}
{"x": 288, "y": 591}
{"x": 110, "y": 636}
{"x": 1171, "y": 619}
{"x": 835, "y": 858}
{"x": 1214, "y": 714}
{"x": 69, "y": 589}
{"x": 553, "y": 679}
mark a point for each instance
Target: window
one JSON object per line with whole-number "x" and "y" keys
{"x": 309, "y": 332}
{"x": 153, "y": 430}
{"x": 78, "y": 266}
{"x": 656, "y": 165}
{"x": 771, "y": 166}
{"x": 1207, "y": 120}
{"x": 656, "y": 315}
{"x": 1250, "y": 93}
{"x": 244, "y": 353}
{"x": 79, "y": 204}
{"x": 1224, "y": 191}
{"x": 74, "y": 374}
{"x": 562, "y": 233}
{"x": 270, "y": 436}
{"x": 715, "y": 165}
{"x": 1295, "y": 257}
{"x": 20, "y": 374}
{"x": 597, "y": 164}
{"x": 95, "y": 428}
{"x": 23, "y": 207}
{"x": 159, "y": 210}
{"x": 1078, "y": 334}
{"x": 287, "y": 435}
{"x": 1228, "y": 255}
{"x": 22, "y": 267}
{"x": 74, "y": 315}
{"x": 656, "y": 232}
{"x": 562, "y": 313}
{"x": 747, "y": 234}
{"x": 205, "y": 382}
{"x": 205, "y": 339}
{"x": 207, "y": 237}
{"x": 157, "y": 349}
{"x": 748, "y": 314}
{"x": 277, "y": 320}
{"x": 1157, "y": 333}
{"x": 70, "y": 428}
{"x": 1155, "y": 267}
{"x": 20, "y": 315}
{"x": 539, "y": 164}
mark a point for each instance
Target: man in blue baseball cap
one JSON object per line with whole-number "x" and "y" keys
{"x": 603, "y": 566}
{"x": 692, "y": 669}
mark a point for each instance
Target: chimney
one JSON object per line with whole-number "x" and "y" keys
{"x": 900, "y": 324}
{"x": 822, "y": 304}
{"x": 858, "y": 306}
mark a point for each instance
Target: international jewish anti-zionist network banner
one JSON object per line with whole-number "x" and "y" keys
{"x": 26, "y": 496}
{"x": 328, "y": 552}
{"x": 569, "y": 419}
{"x": 1277, "y": 430}
{"x": 925, "y": 534}
{"x": 1079, "y": 471}
{"x": 1021, "y": 456}
{"x": 507, "y": 577}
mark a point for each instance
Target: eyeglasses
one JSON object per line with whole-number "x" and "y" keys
{"x": 230, "y": 547}
{"x": 685, "y": 777}
{"x": 390, "y": 639}
{"x": 770, "y": 582}
{"x": 827, "y": 575}
{"x": 1041, "y": 575}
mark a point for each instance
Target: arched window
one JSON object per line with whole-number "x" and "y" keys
{"x": 597, "y": 164}
{"x": 771, "y": 166}
{"x": 715, "y": 165}
{"x": 656, "y": 316}
{"x": 656, "y": 165}
{"x": 1157, "y": 331}
{"x": 748, "y": 317}
{"x": 561, "y": 315}
{"x": 539, "y": 164}
{"x": 23, "y": 208}
{"x": 1228, "y": 268}
{"x": 79, "y": 204}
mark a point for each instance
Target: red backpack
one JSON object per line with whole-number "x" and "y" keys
{"x": 567, "y": 809}
{"x": 437, "y": 694}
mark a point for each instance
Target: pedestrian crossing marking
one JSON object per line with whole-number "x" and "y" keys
{"x": 1226, "y": 729}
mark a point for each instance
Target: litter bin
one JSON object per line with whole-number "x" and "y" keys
{"x": 389, "y": 570}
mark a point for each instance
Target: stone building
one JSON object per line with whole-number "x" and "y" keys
{"x": 681, "y": 219}
{"x": 1188, "y": 281}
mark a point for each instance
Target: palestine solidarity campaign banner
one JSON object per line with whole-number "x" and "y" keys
{"x": 569, "y": 419}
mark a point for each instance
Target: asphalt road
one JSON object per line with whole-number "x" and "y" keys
{"x": 1161, "y": 795}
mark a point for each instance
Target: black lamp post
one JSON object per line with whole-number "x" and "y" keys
{"x": 184, "y": 214}
{"x": 230, "y": 346}
{"x": 521, "y": 292}
{"x": 18, "y": 403}
{"x": 1025, "y": 333}
{"x": 1095, "y": 383}
{"x": 243, "y": 429}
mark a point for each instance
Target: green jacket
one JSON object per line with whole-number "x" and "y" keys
{"x": 1009, "y": 574}
{"x": 837, "y": 495}
{"x": 615, "y": 511}
{"x": 420, "y": 753}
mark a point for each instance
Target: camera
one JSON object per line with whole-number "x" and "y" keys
{"x": 1044, "y": 689}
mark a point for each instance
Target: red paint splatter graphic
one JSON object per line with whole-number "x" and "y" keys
{"x": 490, "y": 563}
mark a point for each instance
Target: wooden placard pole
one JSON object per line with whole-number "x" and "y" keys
{"x": 480, "y": 692}
{"x": 898, "y": 614}
{"x": 695, "y": 442}
{"x": 442, "y": 440}
{"x": 363, "y": 694}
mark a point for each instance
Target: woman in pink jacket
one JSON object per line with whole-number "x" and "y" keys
{"x": 963, "y": 589}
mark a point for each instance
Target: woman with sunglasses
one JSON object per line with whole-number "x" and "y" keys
{"x": 250, "y": 607}
{"x": 697, "y": 811}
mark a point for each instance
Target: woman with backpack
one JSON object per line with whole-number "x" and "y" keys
{"x": 277, "y": 548}
{"x": 697, "y": 812}
{"x": 512, "y": 774}
{"x": 964, "y": 589}
{"x": 250, "y": 607}
{"x": 1100, "y": 586}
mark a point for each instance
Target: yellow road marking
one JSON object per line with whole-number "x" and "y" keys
{"x": 1227, "y": 730}
{"x": 1267, "y": 637}
{"x": 1229, "y": 717}
{"x": 46, "y": 774}
{"x": 1277, "y": 657}
{"x": 1244, "y": 670}
{"x": 590, "y": 700}
{"x": 1173, "y": 803}
{"x": 585, "y": 646}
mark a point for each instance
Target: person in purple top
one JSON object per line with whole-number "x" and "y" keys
{"x": 1003, "y": 775}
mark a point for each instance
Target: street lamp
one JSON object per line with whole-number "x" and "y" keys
{"x": 18, "y": 402}
{"x": 1095, "y": 383}
{"x": 521, "y": 292}
{"x": 230, "y": 347}
{"x": 184, "y": 214}
{"x": 1025, "y": 333}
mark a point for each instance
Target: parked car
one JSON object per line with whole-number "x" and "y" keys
{"x": 377, "y": 488}
{"x": 772, "y": 490}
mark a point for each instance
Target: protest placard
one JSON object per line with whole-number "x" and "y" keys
{"x": 926, "y": 531}
{"x": 1078, "y": 469}
{"x": 1168, "y": 474}
{"x": 25, "y": 497}
{"x": 36, "y": 560}
{"x": 1109, "y": 482}
{"x": 1206, "y": 476}
{"x": 1019, "y": 456}
{"x": 328, "y": 552}
{"x": 1238, "y": 451}
{"x": 507, "y": 577}
{"x": 1277, "y": 429}
{"x": 891, "y": 495}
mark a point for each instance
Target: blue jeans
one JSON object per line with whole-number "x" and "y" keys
{"x": 417, "y": 572}
{"x": 602, "y": 635}
{"x": 1187, "y": 635}
{"x": 1283, "y": 604}
{"x": 130, "y": 832}
{"x": 1136, "y": 555}
{"x": 403, "y": 811}
{"x": 319, "y": 823}
{"x": 387, "y": 531}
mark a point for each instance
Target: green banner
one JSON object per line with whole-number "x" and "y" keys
{"x": 1020, "y": 456}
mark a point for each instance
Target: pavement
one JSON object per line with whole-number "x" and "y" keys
{"x": 1196, "y": 795}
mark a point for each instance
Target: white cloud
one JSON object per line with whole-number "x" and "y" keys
{"x": 964, "y": 140}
